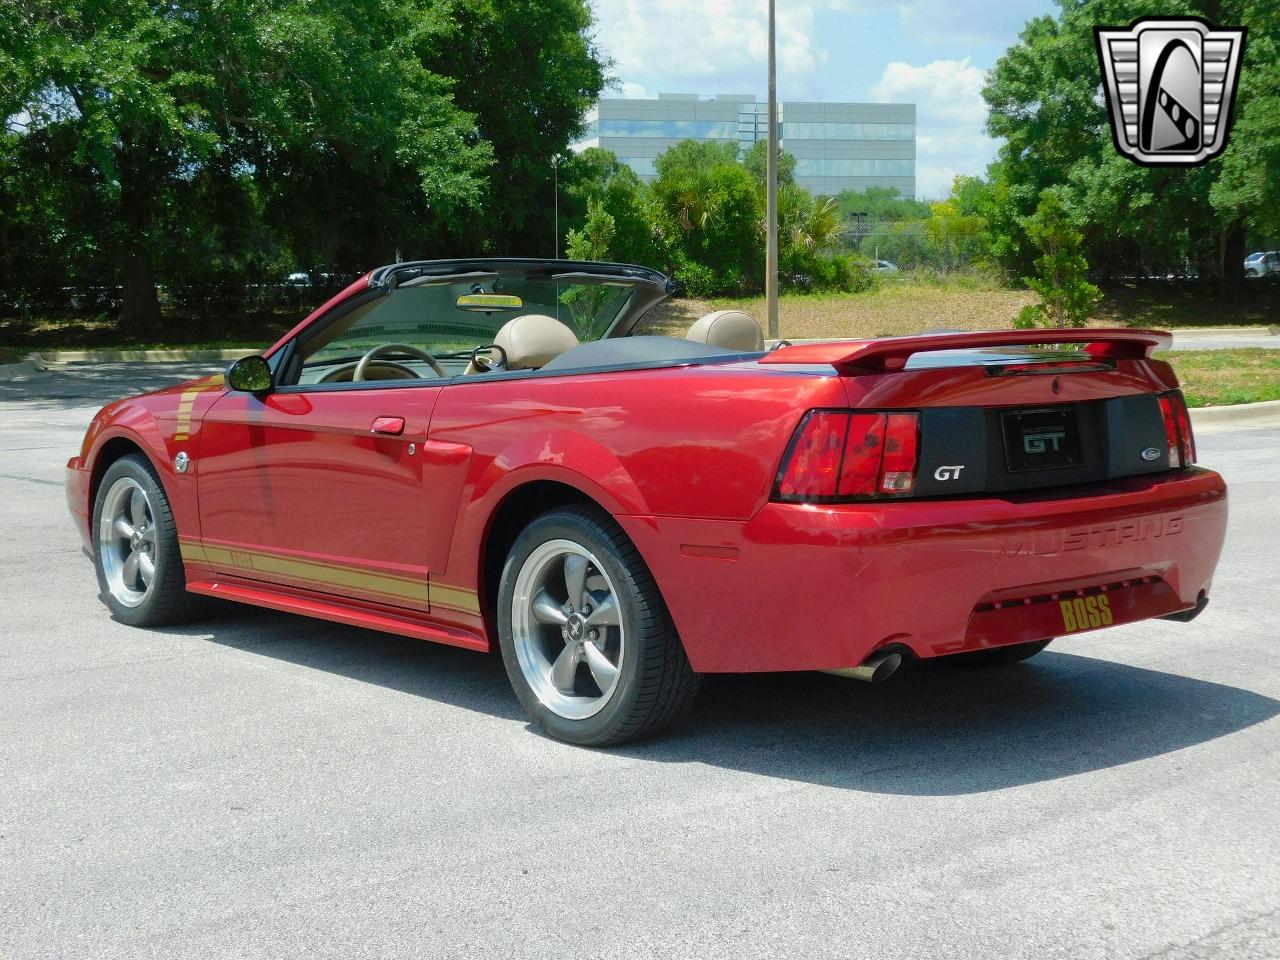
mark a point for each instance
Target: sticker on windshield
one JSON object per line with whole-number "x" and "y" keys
{"x": 489, "y": 302}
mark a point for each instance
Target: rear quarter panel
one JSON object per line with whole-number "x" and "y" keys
{"x": 682, "y": 442}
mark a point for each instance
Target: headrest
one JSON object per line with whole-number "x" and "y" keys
{"x": 731, "y": 329}
{"x": 530, "y": 341}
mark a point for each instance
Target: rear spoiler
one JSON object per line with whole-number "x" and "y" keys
{"x": 891, "y": 353}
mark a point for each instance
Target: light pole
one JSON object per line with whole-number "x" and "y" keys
{"x": 771, "y": 189}
{"x": 555, "y": 181}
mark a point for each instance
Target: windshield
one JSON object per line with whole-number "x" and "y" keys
{"x": 448, "y": 318}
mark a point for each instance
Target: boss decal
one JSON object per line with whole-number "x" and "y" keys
{"x": 1086, "y": 613}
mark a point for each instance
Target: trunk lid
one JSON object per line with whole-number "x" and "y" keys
{"x": 1018, "y": 410}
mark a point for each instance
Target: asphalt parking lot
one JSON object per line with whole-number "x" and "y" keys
{"x": 265, "y": 786}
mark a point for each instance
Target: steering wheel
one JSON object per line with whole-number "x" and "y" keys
{"x": 358, "y": 375}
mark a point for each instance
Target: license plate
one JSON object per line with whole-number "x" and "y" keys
{"x": 1041, "y": 439}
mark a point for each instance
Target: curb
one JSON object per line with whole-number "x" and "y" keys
{"x": 1241, "y": 414}
{"x": 176, "y": 355}
{"x": 1219, "y": 332}
{"x": 27, "y": 367}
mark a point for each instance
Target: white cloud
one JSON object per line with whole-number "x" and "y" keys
{"x": 717, "y": 46}
{"x": 950, "y": 119}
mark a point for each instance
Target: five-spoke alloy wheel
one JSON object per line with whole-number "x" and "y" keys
{"x": 569, "y": 638}
{"x": 127, "y": 542}
{"x": 135, "y": 547}
{"x": 586, "y": 639}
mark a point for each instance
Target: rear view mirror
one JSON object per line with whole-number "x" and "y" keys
{"x": 249, "y": 375}
{"x": 488, "y": 302}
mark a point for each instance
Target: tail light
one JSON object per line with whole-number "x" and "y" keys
{"x": 1177, "y": 429}
{"x": 836, "y": 455}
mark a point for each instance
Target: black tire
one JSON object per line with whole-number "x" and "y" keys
{"x": 167, "y": 600}
{"x": 999, "y": 657}
{"x": 655, "y": 685}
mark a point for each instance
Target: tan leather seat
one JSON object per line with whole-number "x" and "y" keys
{"x": 530, "y": 341}
{"x": 731, "y": 329}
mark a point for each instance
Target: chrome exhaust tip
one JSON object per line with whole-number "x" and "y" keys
{"x": 875, "y": 669}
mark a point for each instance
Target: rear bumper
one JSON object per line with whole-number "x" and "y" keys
{"x": 76, "y": 484}
{"x": 803, "y": 587}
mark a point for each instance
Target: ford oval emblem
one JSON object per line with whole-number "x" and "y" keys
{"x": 1150, "y": 454}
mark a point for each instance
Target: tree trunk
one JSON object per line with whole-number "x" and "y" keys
{"x": 1233, "y": 256}
{"x": 140, "y": 311}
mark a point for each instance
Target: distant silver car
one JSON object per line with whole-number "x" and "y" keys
{"x": 884, "y": 266}
{"x": 1262, "y": 264}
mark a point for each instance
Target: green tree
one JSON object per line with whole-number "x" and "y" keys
{"x": 756, "y": 160}
{"x": 1249, "y": 185}
{"x": 706, "y": 212}
{"x": 593, "y": 242}
{"x": 527, "y": 70}
{"x": 598, "y": 175}
{"x": 808, "y": 222}
{"x": 1044, "y": 102}
{"x": 1067, "y": 298}
{"x": 881, "y": 203}
{"x": 198, "y": 142}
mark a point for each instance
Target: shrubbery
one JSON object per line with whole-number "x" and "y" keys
{"x": 702, "y": 221}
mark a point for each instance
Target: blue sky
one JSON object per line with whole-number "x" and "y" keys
{"x": 931, "y": 52}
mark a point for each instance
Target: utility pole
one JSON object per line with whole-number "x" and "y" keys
{"x": 555, "y": 181}
{"x": 771, "y": 189}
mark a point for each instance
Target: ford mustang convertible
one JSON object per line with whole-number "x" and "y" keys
{"x": 484, "y": 453}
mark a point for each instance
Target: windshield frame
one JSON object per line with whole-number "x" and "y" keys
{"x": 649, "y": 286}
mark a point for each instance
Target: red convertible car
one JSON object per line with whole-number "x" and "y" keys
{"x": 483, "y": 453}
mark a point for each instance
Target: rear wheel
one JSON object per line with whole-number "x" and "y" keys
{"x": 135, "y": 548}
{"x": 586, "y": 638}
{"x": 999, "y": 657}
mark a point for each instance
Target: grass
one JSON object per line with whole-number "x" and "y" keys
{"x": 1177, "y": 304}
{"x": 1223, "y": 377}
{"x": 78, "y": 331}
{"x": 911, "y": 304}
{"x": 11, "y": 355}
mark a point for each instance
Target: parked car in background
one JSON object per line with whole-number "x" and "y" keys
{"x": 481, "y": 453}
{"x": 1264, "y": 264}
{"x": 299, "y": 279}
{"x": 884, "y": 266}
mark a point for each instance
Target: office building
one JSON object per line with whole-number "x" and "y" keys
{"x": 837, "y": 146}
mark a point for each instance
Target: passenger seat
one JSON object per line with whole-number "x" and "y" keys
{"x": 731, "y": 329}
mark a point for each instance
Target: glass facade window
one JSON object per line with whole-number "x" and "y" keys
{"x": 854, "y": 167}
{"x": 668, "y": 129}
{"x": 643, "y": 166}
{"x": 804, "y": 130}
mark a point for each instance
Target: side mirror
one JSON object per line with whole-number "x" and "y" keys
{"x": 249, "y": 375}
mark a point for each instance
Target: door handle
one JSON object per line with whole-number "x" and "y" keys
{"x": 393, "y": 426}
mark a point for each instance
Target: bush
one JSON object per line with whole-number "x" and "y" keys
{"x": 697, "y": 279}
{"x": 1060, "y": 272}
{"x": 810, "y": 270}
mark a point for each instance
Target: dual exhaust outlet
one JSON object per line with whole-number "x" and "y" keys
{"x": 877, "y": 668}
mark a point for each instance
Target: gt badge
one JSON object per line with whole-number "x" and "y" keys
{"x": 1085, "y": 613}
{"x": 1170, "y": 84}
{"x": 948, "y": 473}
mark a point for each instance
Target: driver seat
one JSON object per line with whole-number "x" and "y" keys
{"x": 531, "y": 341}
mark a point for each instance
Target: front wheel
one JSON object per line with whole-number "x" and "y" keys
{"x": 135, "y": 548}
{"x": 586, "y": 638}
